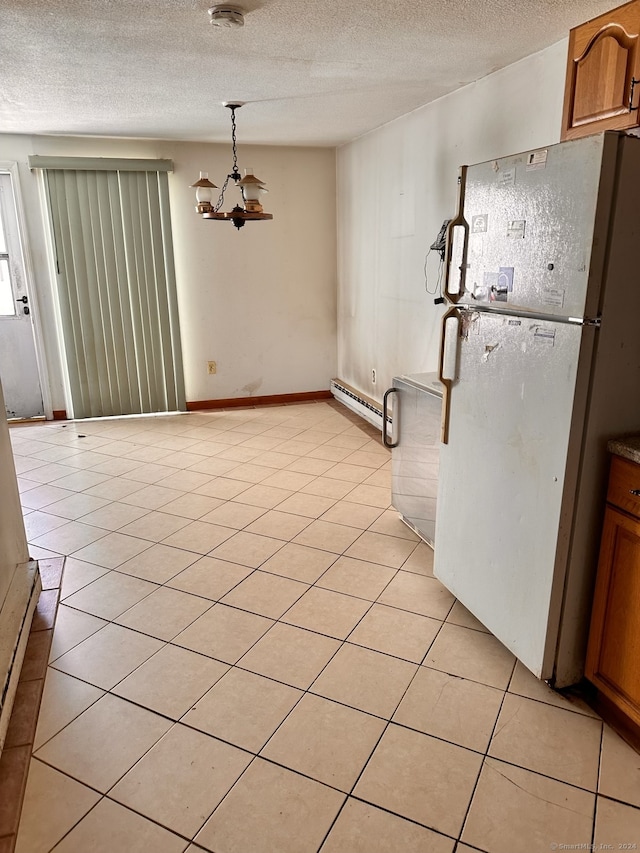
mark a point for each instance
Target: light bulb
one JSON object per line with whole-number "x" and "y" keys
{"x": 203, "y": 193}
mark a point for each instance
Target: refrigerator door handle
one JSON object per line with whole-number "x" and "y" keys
{"x": 457, "y": 222}
{"x": 446, "y": 383}
{"x": 385, "y": 420}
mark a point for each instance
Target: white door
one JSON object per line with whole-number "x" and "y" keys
{"x": 18, "y": 364}
{"x": 507, "y": 477}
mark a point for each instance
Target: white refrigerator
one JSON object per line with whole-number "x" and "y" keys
{"x": 540, "y": 363}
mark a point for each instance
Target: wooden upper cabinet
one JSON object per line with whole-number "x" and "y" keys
{"x": 603, "y": 60}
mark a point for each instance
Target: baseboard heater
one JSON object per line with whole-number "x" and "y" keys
{"x": 359, "y": 403}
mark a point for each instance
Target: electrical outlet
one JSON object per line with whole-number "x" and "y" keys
{"x": 212, "y": 367}
{"x": 373, "y": 376}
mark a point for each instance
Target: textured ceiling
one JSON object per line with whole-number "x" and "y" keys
{"x": 316, "y": 73}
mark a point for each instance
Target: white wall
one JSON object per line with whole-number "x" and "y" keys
{"x": 261, "y": 302}
{"x": 395, "y": 187}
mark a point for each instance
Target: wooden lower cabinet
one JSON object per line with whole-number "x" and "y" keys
{"x": 613, "y": 657}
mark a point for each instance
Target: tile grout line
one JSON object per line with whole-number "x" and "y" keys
{"x": 485, "y": 756}
{"x": 169, "y": 642}
{"x": 305, "y": 692}
{"x": 597, "y": 794}
{"x": 342, "y": 641}
{"x": 382, "y": 733}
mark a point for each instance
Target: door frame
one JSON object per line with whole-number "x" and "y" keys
{"x": 11, "y": 167}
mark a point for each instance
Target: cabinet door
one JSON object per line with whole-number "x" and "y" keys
{"x": 603, "y": 59}
{"x": 613, "y": 658}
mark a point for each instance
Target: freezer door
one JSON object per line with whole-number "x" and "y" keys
{"x": 414, "y": 462}
{"x": 537, "y": 226}
{"x": 505, "y": 489}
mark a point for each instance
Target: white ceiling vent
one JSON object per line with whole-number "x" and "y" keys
{"x": 226, "y": 16}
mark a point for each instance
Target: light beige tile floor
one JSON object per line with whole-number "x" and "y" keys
{"x": 251, "y": 655}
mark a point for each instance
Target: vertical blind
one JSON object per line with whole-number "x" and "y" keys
{"x": 116, "y": 288}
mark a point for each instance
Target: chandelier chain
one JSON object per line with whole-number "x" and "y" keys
{"x": 220, "y": 201}
{"x": 235, "y": 174}
{"x": 233, "y": 140}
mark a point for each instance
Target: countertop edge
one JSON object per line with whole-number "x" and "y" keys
{"x": 627, "y": 447}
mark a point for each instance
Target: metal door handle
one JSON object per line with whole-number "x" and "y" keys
{"x": 385, "y": 419}
{"x": 446, "y": 383}
{"x": 457, "y": 222}
{"x": 23, "y": 299}
{"x": 634, "y": 83}
{"x": 635, "y": 492}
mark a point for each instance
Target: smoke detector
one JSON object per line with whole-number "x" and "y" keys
{"x": 226, "y": 16}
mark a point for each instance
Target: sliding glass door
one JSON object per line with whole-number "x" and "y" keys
{"x": 116, "y": 289}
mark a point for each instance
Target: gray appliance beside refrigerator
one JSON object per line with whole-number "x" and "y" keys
{"x": 540, "y": 362}
{"x": 415, "y": 436}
